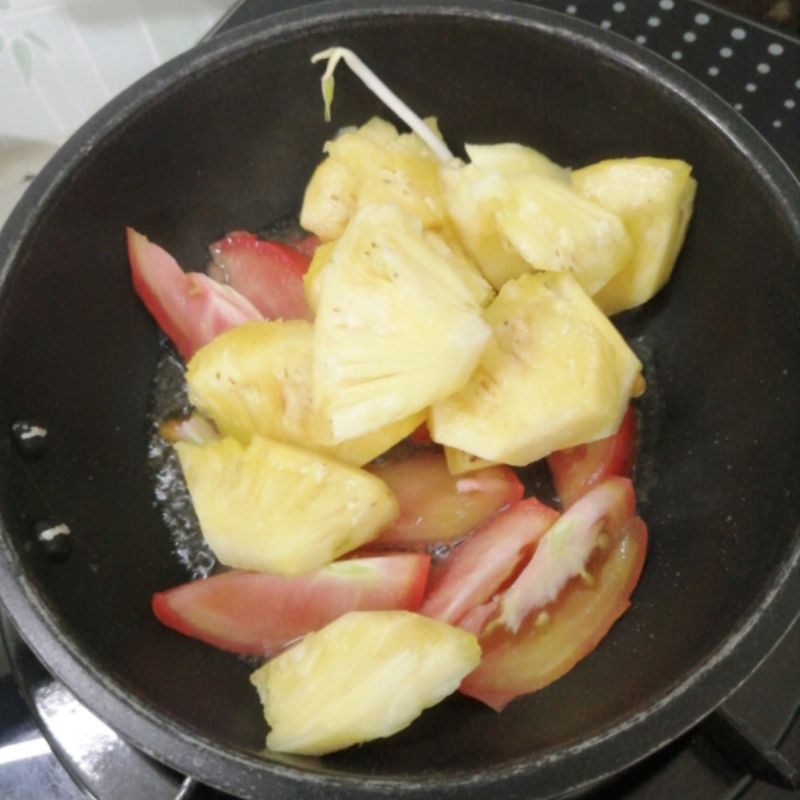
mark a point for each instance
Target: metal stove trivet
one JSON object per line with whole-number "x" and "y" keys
{"x": 733, "y": 753}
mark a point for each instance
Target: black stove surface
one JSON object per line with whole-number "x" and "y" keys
{"x": 53, "y": 748}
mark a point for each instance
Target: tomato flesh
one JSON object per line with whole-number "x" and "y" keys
{"x": 476, "y": 568}
{"x": 189, "y": 307}
{"x": 566, "y": 547}
{"x": 543, "y": 651}
{"x": 258, "y": 613}
{"x": 436, "y": 506}
{"x": 269, "y": 274}
{"x": 576, "y": 470}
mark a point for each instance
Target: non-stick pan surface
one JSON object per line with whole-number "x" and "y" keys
{"x": 225, "y": 138}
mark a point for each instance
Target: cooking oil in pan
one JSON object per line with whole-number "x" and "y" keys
{"x": 169, "y": 399}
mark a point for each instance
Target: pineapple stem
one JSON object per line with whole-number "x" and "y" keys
{"x": 335, "y": 54}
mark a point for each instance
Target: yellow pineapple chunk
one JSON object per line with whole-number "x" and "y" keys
{"x": 256, "y": 379}
{"x": 367, "y": 675}
{"x": 511, "y": 160}
{"x": 397, "y": 327}
{"x": 473, "y": 196}
{"x": 373, "y": 164}
{"x": 272, "y": 507}
{"x": 555, "y": 374}
{"x": 446, "y": 245}
{"x": 654, "y": 199}
{"x": 555, "y": 229}
{"x": 459, "y": 462}
{"x": 516, "y": 211}
{"x": 312, "y": 280}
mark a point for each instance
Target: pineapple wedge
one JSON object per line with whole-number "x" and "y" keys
{"x": 312, "y": 280}
{"x": 459, "y": 462}
{"x": 511, "y": 159}
{"x": 516, "y": 211}
{"x": 271, "y": 507}
{"x": 397, "y": 327}
{"x": 472, "y": 196}
{"x": 256, "y": 379}
{"x": 556, "y": 374}
{"x": 553, "y": 228}
{"x": 367, "y": 675}
{"x": 654, "y": 198}
{"x": 446, "y": 245}
{"x": 373, "y": 164}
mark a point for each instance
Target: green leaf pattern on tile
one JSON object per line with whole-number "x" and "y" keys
{"x": 34, "y": 37}
{"x": 21, "y": 51}
{"x": 20, "y": 46}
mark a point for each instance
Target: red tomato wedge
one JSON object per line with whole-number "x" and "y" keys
{"x": 258, "y": 613}
{"x": 189, "y": 307}
{"x": 307, "y": 245}
{"x": 421, "y": 434}
{"x": 269, "y": 274}
{"x": 544, "y": 649}
{"x": 477, "y": 568}
{"x": 436, "y": 506}
{"x": 564, "y": 551}
{"x": 576, "y": 470}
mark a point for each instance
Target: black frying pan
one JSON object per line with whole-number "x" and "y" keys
{"x": 225, "y": 138}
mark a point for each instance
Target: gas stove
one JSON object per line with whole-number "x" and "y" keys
{"x": 51, "y": 746}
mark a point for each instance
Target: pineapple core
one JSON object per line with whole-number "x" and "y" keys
{"x": 555, "y": 374}
{"x": 365, "y": 676}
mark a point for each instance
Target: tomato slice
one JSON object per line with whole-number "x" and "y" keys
{"x": 269, "y": 274}
{"x": 576, "y": 470}
{"x": 421, "y": 434}
{"x": 189, "y": 307}
{"x": 436, "y": 506}
{"x": 307, "y": 245}
{"x": 547, "y": 647}
{"x": 477, "y": 568}
{"x": 258, "y": 613}
{"x": 565, "y": 549}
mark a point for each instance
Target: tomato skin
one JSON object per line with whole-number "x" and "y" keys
{"x": 307, "y": 245}
{"x": 576, "y": 470}
{"x": 421, "y": 434}
{"x": 258, "y": 613}
{"x": 436, "y": 506}
{"x": 477, "y": 568}
{"x": 538, "y": 654}
{"x": 189, "y": 307}
{"x": 269, "y": 274}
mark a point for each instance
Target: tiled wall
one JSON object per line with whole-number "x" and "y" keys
{"x": 60, "y": 60}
